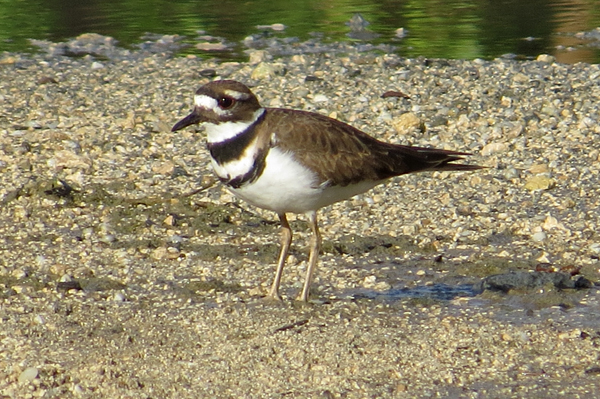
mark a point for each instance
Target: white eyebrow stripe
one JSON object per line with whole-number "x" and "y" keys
{"x": 236, "y": 94}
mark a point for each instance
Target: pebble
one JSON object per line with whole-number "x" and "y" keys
{"x": 97, "y": 65}
{"x": 537, "y": 169}
{"x": 494, "y": 148}
{"x": 275, "y": 27}
{"x": 407, "y": 123}
{"x": 263, "y": 71}
{"x": 547, "y": 58}
{"x": 258, "y": 56}
{"x": 320, "y": 98}
{"x": 400, "y": 33}
{"x": 511, "y": 173}
{"x": 207, "y": 46}
{"x": 539, "y": 182}
{"x": 28, "y": 375}
{"x": 19, "y": 274}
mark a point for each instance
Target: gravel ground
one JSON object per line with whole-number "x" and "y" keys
{"x": 115, "y": 282}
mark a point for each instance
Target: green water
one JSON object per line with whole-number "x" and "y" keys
{"x": 436, "y": 28}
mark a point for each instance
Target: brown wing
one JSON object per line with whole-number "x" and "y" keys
{"x": 343, "y": 155}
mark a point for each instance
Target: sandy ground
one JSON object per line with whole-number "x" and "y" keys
{"x": 115, "y": 284}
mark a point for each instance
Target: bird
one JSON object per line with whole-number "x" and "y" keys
{"x": 295, "y": 161}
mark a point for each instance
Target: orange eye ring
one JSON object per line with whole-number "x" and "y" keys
{"x": 226, "y": 102}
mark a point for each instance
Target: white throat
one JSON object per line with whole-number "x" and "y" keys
{"x": 219, "y": 132}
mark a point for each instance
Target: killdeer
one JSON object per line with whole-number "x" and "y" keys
{"x": 291, "y": 161}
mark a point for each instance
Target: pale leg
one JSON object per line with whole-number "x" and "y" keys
{"x": 286, "y": 240}
{"x": 315, "y": 246}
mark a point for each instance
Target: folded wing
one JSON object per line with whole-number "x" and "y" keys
{"x": 341, "y": 154}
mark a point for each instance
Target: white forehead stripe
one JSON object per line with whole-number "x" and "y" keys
{"x": 206, "y": 102}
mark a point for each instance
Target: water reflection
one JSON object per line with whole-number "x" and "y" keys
{"x": 439, "y": 292}
{"x": 449, "y": 29}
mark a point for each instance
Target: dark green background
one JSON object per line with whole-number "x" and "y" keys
{"x": 437, "y": 28}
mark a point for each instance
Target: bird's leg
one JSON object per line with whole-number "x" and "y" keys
{"x": 286, "y": 240}
{"x": 315, "y": 246}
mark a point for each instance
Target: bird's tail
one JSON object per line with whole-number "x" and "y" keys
{"x": 423, "y": 159}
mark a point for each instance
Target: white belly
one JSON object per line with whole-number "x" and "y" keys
{"x": 287, "y": 186}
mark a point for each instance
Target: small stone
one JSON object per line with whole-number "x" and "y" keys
{"x": 552, "y": 223}
{"x": 22, "y": 289}
{"x": 369, "y": 281}
{"x": 586, "y": 123}
{"x": 511, "y": 173}
{"x": 539, "y": 236}
{"x": 97, "y": 65}
{"x": 33, "y": 125}
{"x": 539, "y": 182}
{"x": 108, "y": 238}
{"x": 573, "y": 334}
{"x": 28, "y": 375}
{"x": 543, "y": 258}
{"x": 275, "y": 27}
{"x": 494, "y": 148}
{"x": 208, "y": 73}
{"x": 170, "y": 220}
{"x": 129, "y": 121}
{"x": 119, "y": 297}
{"x": 263, "y": 71}
{"x": 549, "y": 110}
{"x": 19, "y": 274}
{"x": 595, "y": 247}
{"x": 400, "y": 33}
{"x": 298, "y": 59}
{"x": 164, "y": 168}
{"x": 173, "y": 253}
{"x": 545, "y": 58}
{"x": 301, "y": 92}
{"x": 9, "y": 60}
{"x": 506, "y": 101}
{"x": 394, "y": 93}
{"x": 407, "y": 123}
{"x": 320, "y": 98}
{"x": 258, "y": 56}
{"x": 520, "y": 78}
{"x": 382, "y": 286}
{"x": 78, "y": 389}
{"x": 276, "y": 103}
{"x": 207, "y": 46}
{"x": 159, "y": 253}
{"x": 176, "y": 239}
{"x": 537, "y": 169}
{"x": 69, "y": 159}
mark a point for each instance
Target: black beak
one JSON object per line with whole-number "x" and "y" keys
{"x": 191, "y": 119}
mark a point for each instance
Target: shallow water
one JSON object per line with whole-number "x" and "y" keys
{"x": 451, "y": 29}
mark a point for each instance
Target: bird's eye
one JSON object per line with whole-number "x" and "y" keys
{"x": 226, "y": 102}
